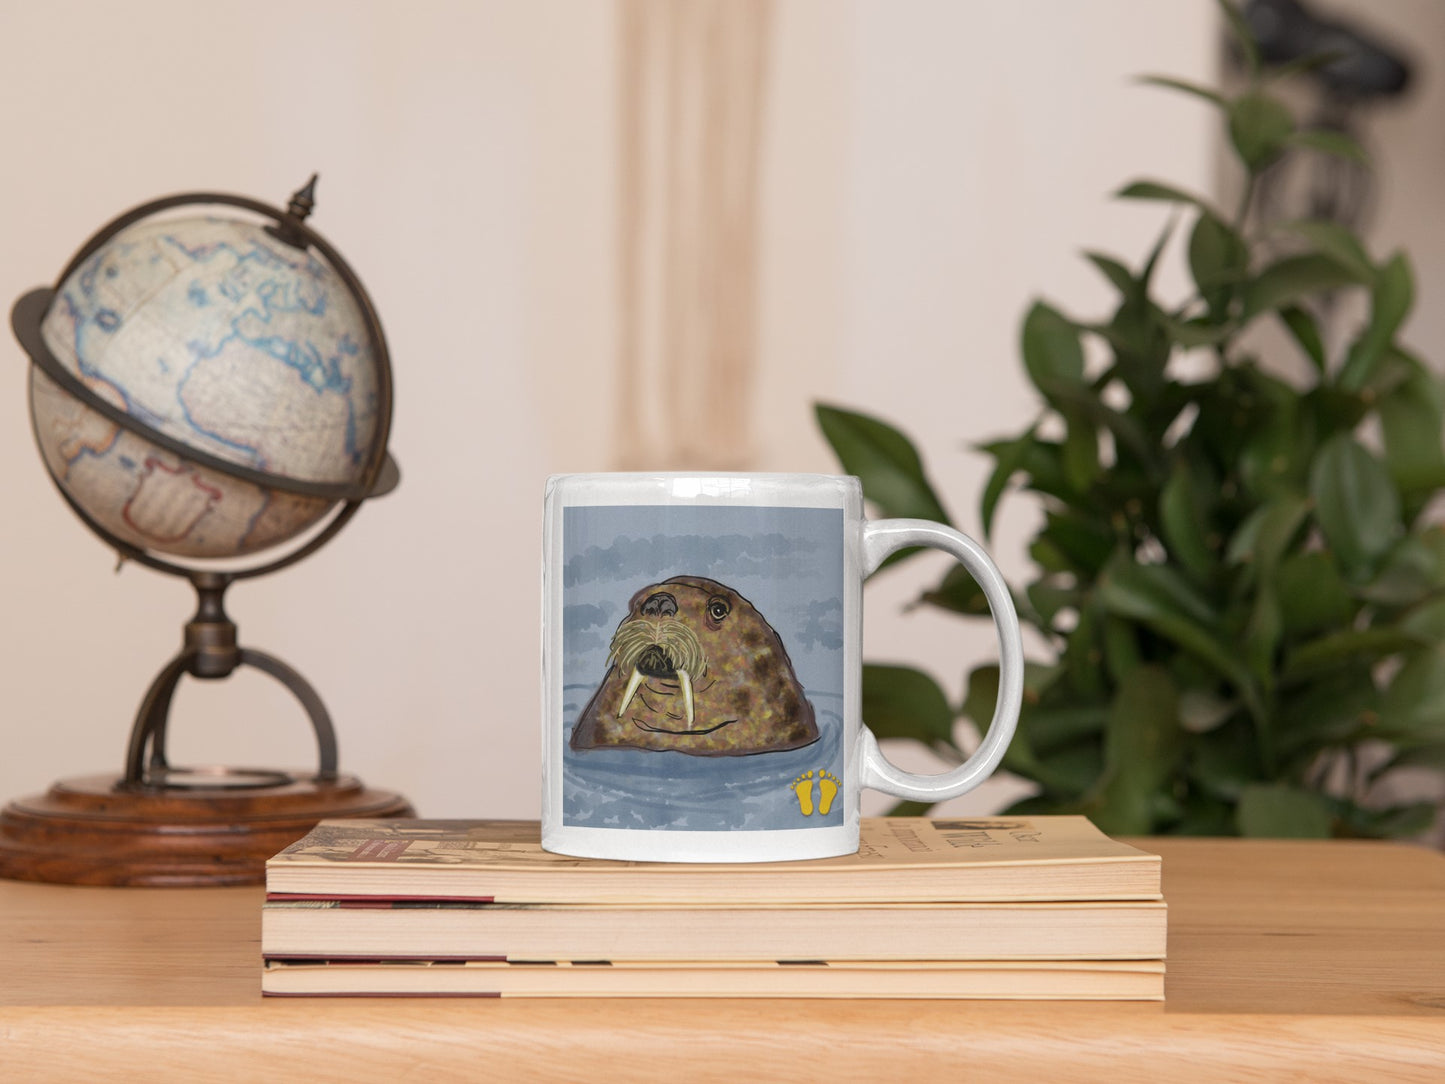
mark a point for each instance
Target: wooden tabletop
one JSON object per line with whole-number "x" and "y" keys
{"x": 1315, "y": 960}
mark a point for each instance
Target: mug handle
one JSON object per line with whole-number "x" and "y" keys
{"x": 882, "y": 538}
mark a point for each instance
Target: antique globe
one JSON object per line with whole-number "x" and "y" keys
{"x": 210, "y": 391}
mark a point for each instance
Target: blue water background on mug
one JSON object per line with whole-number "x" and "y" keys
{"x": 788, "y": 562}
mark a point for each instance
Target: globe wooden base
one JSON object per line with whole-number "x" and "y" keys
{"x": 88, "y": 831}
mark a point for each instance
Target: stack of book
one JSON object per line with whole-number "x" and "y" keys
{"x": 1037, "y": 907}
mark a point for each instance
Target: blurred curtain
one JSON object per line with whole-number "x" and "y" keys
{"x": 692, "y": 82}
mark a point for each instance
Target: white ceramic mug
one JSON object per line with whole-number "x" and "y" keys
{"x": 702, "y": 666}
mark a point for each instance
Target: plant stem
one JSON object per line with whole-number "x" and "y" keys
{"x": 1245, "y": 199}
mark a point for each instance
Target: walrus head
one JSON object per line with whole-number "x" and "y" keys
{"x": 695, "y": 668}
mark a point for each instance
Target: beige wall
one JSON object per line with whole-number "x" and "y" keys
{"x": 928, "y": 167}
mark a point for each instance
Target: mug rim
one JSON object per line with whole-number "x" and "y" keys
{"x": 623, "y": 475}
{"x": 822, "y": 490}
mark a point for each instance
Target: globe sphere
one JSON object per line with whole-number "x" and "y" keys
{"x": 216, "y": 334}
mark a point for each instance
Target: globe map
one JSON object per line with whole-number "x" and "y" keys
{"x": 226, "y": 339}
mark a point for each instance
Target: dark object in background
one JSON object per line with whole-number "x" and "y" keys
{"x": 1364, "y": 66}
{"x": 1350, "y": 69}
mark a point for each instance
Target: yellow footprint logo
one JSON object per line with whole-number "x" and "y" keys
{"x": 827, "y": 791}
{"x": 828, "y": 788}
{"x": 803, "y": 788}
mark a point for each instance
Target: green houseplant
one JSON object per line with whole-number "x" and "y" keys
{"x": 1243, "y": 591}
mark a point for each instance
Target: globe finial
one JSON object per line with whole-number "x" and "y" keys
{"x": 303, "y": 200}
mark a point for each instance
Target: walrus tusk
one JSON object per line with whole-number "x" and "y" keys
{"x": 633, "y": 683}
{"x": 685, "y": 680}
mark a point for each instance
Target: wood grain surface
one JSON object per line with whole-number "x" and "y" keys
{"x": 1287, "y": 960}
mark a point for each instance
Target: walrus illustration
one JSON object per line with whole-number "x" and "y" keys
{"x": 695, "y": 668}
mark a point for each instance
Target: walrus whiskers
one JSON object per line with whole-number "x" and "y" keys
{"x": 678, "y": 645}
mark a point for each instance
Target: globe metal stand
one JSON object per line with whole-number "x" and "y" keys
{"x": 211, "y": 652}
{"x": 163, "y": 825}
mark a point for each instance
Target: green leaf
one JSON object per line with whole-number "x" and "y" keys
{"x": 1302, "y": 64}
{"x": 1425, "y": 621}
{"x": 1351, "y": 645}
{"x": 1073, "y": 770}
{"x": 1394, "y": 822}
{"x": 1189, "y": 334}
{"x": 1330, "y": 710}
{"x": 901, "y": 702}
{"x": 1142, "y": 737}
{"x": 1278, "y": 811}
{"x": 1142, "y": 745}
{"x": 958, "y": 592}
{"x": 1009, "y": 459}
{"x": 1307, "y": 333}
{"x": 1020, "y": 758}
{"x": 1356, "y": 504}
{"x": 1051, "y": 349}
{"x": 1329, "y": 142}
{"x": 1395, "y": 369}
{"x": 1312, "y": 594}
{"x": 1048, "y": 599}
{"x": 1160, "y": 192}
{"x": 1218, "y": 257}
{"x": 1082, "y": 403}
{"x": 1084, "y": 543}
{"x": 1081, "y": 449}
{"x": 1259, "y": 127}
{"x": 1295, "y": 277}
{"x": 981, "y": 696}
{"x": 886, "y": 462}
{"x": 1203, "y": 816}
{"x": 1144, "y": 592}
{"x": 1242, "y": 35}
{"x": 1037, "y": 805}
{"x": 1423, "y": 756}
{"x": 1163, "y": 601}
{"x": 1406, "y": 577}
{"x": 1434, "y": 537}
{"x": 1083, "y": 656}
{"x": 1335, "y": 241}
{"x": 1139, "y": 332}
{"x": 1053, "y": 728}
{"x": 1195, "y": 89}
{"x": 1413, "y": 707}
{"x": 1263, "y": 538}
{"x": 1201, "y": 710}
{"x": 1271, "y": 461}
{"x": 1044, "y": 466}
{"x": 1393, "y": 293}
{"x": 1115, "y": 272}
{"x": 1331, "y": 410}
{"x": 1225, "y": 760}
{"x": 1395, "y": 289}
{"x": 1152, "y": 261}
{"x": 1182, "y": 518}
{"x": 1121, "y": 648}
{"x": 1262, "y": 634}
{"x": 1412, "y": 422}
{"x": 910, "y": 809}
{"x": 1276, "y": 445}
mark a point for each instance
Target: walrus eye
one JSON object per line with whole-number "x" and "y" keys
{"x": 660, "y": 605}
{"x": 718, "y": 608}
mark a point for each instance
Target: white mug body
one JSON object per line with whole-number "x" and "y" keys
{"x": 702, "y": 666}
